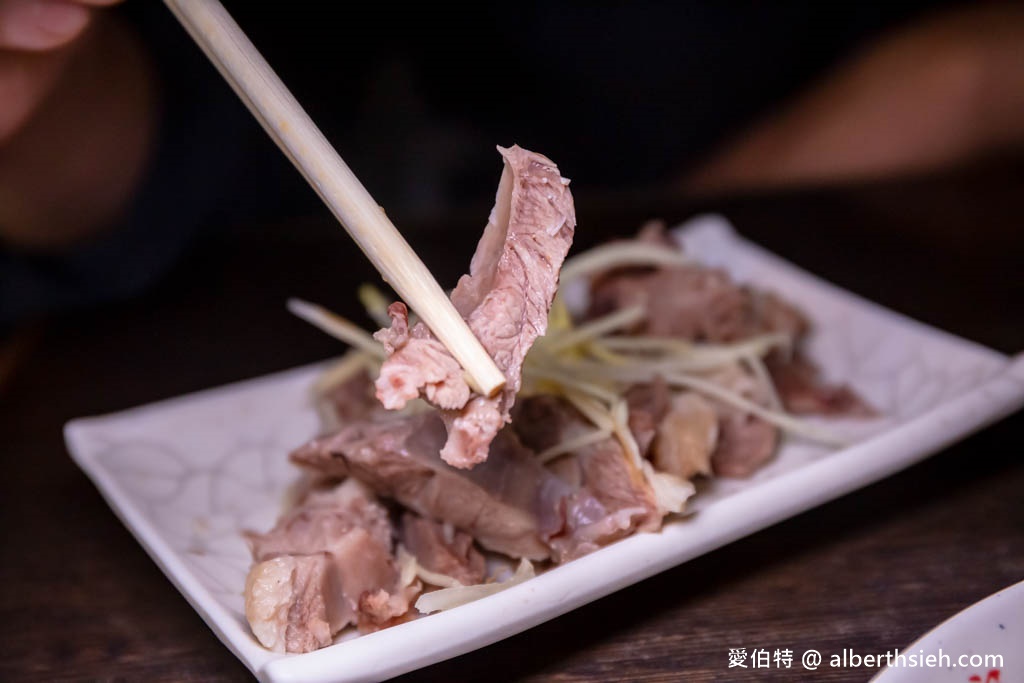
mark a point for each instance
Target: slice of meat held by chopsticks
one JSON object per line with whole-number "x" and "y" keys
{"x": 505, "y": 298}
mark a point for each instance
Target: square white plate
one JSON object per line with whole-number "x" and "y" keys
{"x": 188, "y": 474}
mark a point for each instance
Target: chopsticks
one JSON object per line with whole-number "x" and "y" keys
{"x": 290, "y": 127}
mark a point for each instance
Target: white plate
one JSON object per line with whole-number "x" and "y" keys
{"x": 187, "y": 475}
{"x": 993, "y": 627}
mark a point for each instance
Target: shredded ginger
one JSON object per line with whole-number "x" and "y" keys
{"x": 447, "y": 598}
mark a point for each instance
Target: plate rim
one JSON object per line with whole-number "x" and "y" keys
{"x": 924, "y": 641}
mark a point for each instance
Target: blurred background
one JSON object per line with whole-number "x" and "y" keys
{"x": 120, "y": 146}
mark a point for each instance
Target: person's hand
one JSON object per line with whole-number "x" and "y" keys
{"x": 35, "y": 41}
{"x": 75, "y": 119}
{"x": 938, "y": 92}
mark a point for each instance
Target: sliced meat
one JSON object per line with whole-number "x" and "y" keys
{"x": 704, "y": 304}
{"x": 327, "y": 564}
{"x": 505, "y": 299}
{"x": 648, "y": 404}
{"x": 745, "y": 442}
{"x": 627, "y": 503}
{"x": 322, "y": 518}
{"x": 286, "y": 602}
{"x": 691, "y": 302}
{"x": 472, "y": 429}
{"x": 611, "y": 496}
{"x": 418, "y": 362}
{"x": 800, "y": 387}
{"x": 686, "y": 437}
{"x": 508, "y": 504}
{"x": 443, "y": 549}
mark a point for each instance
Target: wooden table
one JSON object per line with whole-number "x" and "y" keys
{"x": 81, "y": 601}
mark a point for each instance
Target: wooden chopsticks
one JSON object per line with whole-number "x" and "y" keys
{"x": 290, "y": 127}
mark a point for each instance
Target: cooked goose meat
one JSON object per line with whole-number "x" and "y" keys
{"x": 327, "y": 564}
{"x": 745, "y": 442}
{"x": 505, "y": 299}
{"x": 443, "y": 549}
{"x": 686, "y": 437}
{"x": 510, "y": 504}
{"x": 694, "y": 303}
{"x": 802, "y": 391}
{"x": 601, "y": 470}
{"x": 648, "y": 404}
{"x": 507, "y": 504}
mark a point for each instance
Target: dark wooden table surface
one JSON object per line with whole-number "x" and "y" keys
{"x": 80, "y": 600}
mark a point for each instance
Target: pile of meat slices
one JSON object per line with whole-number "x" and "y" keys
{"x": 463, "y": 478}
